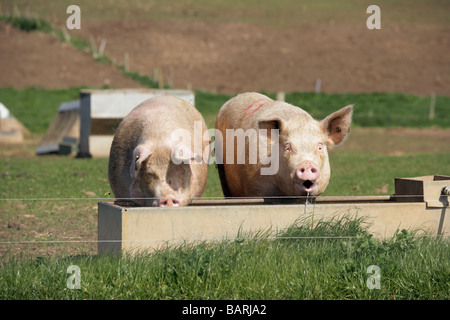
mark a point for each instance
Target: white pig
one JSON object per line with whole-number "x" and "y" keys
{"x": 149, "y": 164}
{"x": 298, "y": 153}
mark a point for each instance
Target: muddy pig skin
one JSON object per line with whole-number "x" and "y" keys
{"x": 151, "y": 165}
{"x": 294, "y": 142}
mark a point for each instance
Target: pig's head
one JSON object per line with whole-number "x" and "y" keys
{"x": 162, "y": 176}
{"x": 303, "y": 166}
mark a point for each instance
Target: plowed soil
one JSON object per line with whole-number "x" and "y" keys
{"x": 236, "y": 57}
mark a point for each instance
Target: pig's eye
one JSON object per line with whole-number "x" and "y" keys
{"x": 287, "y": 147}
{"x": 150, "y": 176}
{"x": 320, "y": 147}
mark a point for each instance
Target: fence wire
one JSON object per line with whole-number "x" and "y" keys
{"x": 307, "y": 198}
{"x": 196, "y": 240}
{"x": 218, "y": 198}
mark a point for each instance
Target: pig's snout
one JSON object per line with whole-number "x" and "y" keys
{"x": 169, "y": 201}
{"x": 308, "y": 172}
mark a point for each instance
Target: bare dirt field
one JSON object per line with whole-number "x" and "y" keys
{"x": 236, "y": 57}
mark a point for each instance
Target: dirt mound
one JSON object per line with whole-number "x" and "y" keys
{"x": 237, "y": 57}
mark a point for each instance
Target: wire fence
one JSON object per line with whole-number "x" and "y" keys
{"x": 197, "y": 240}
{"x": 308, "y": 201}
{"x": 221, "y": 198}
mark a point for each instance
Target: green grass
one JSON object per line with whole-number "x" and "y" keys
{"x": 28, "y": 23}
{"x": 53, "y": 177}
{"x": 362, "y": 173}
{"x": 377, "y": 109}
{"x": 36, "y": 107}
{"x": 411, "y": 267}
{"x": 67, "y": 177}
{"x": 50, "y": 198}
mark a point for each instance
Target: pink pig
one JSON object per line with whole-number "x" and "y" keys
{"x": 296, "y": 143}
{"x": 148, "y": 164}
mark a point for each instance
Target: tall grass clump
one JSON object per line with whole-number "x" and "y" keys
{"x": 28, "y": 23}
{"x": 322, "y": 259}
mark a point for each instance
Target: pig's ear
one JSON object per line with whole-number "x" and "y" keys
{"x": 183, "y": 154}
{"x": 268, "y": 125}
{"x": 140, "y": 154}
{"x": 337, "y": 125}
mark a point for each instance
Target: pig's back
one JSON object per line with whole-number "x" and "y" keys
{"x": 244, "y": 110}
{"x": 159, "y": 116}
{"x": 238, "y": 111}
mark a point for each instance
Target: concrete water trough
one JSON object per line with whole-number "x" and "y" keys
{"x": 418, "y": 203}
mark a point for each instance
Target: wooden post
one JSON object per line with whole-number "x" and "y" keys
{"x": 93, "y": 47}
{"x": 66, "y": 35}
{"x": 101, "y": 49}
{"x": 155, "y": 75}
{"x": 160, "y": 79}
{"x": 126, "y": 61}
{"x": 170, "y": 80}
{"x": 280, "y": 96}
{"x": 318, "y": 85}
{"x": 432, "y": 105}
{"x": 16, "y": 11}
